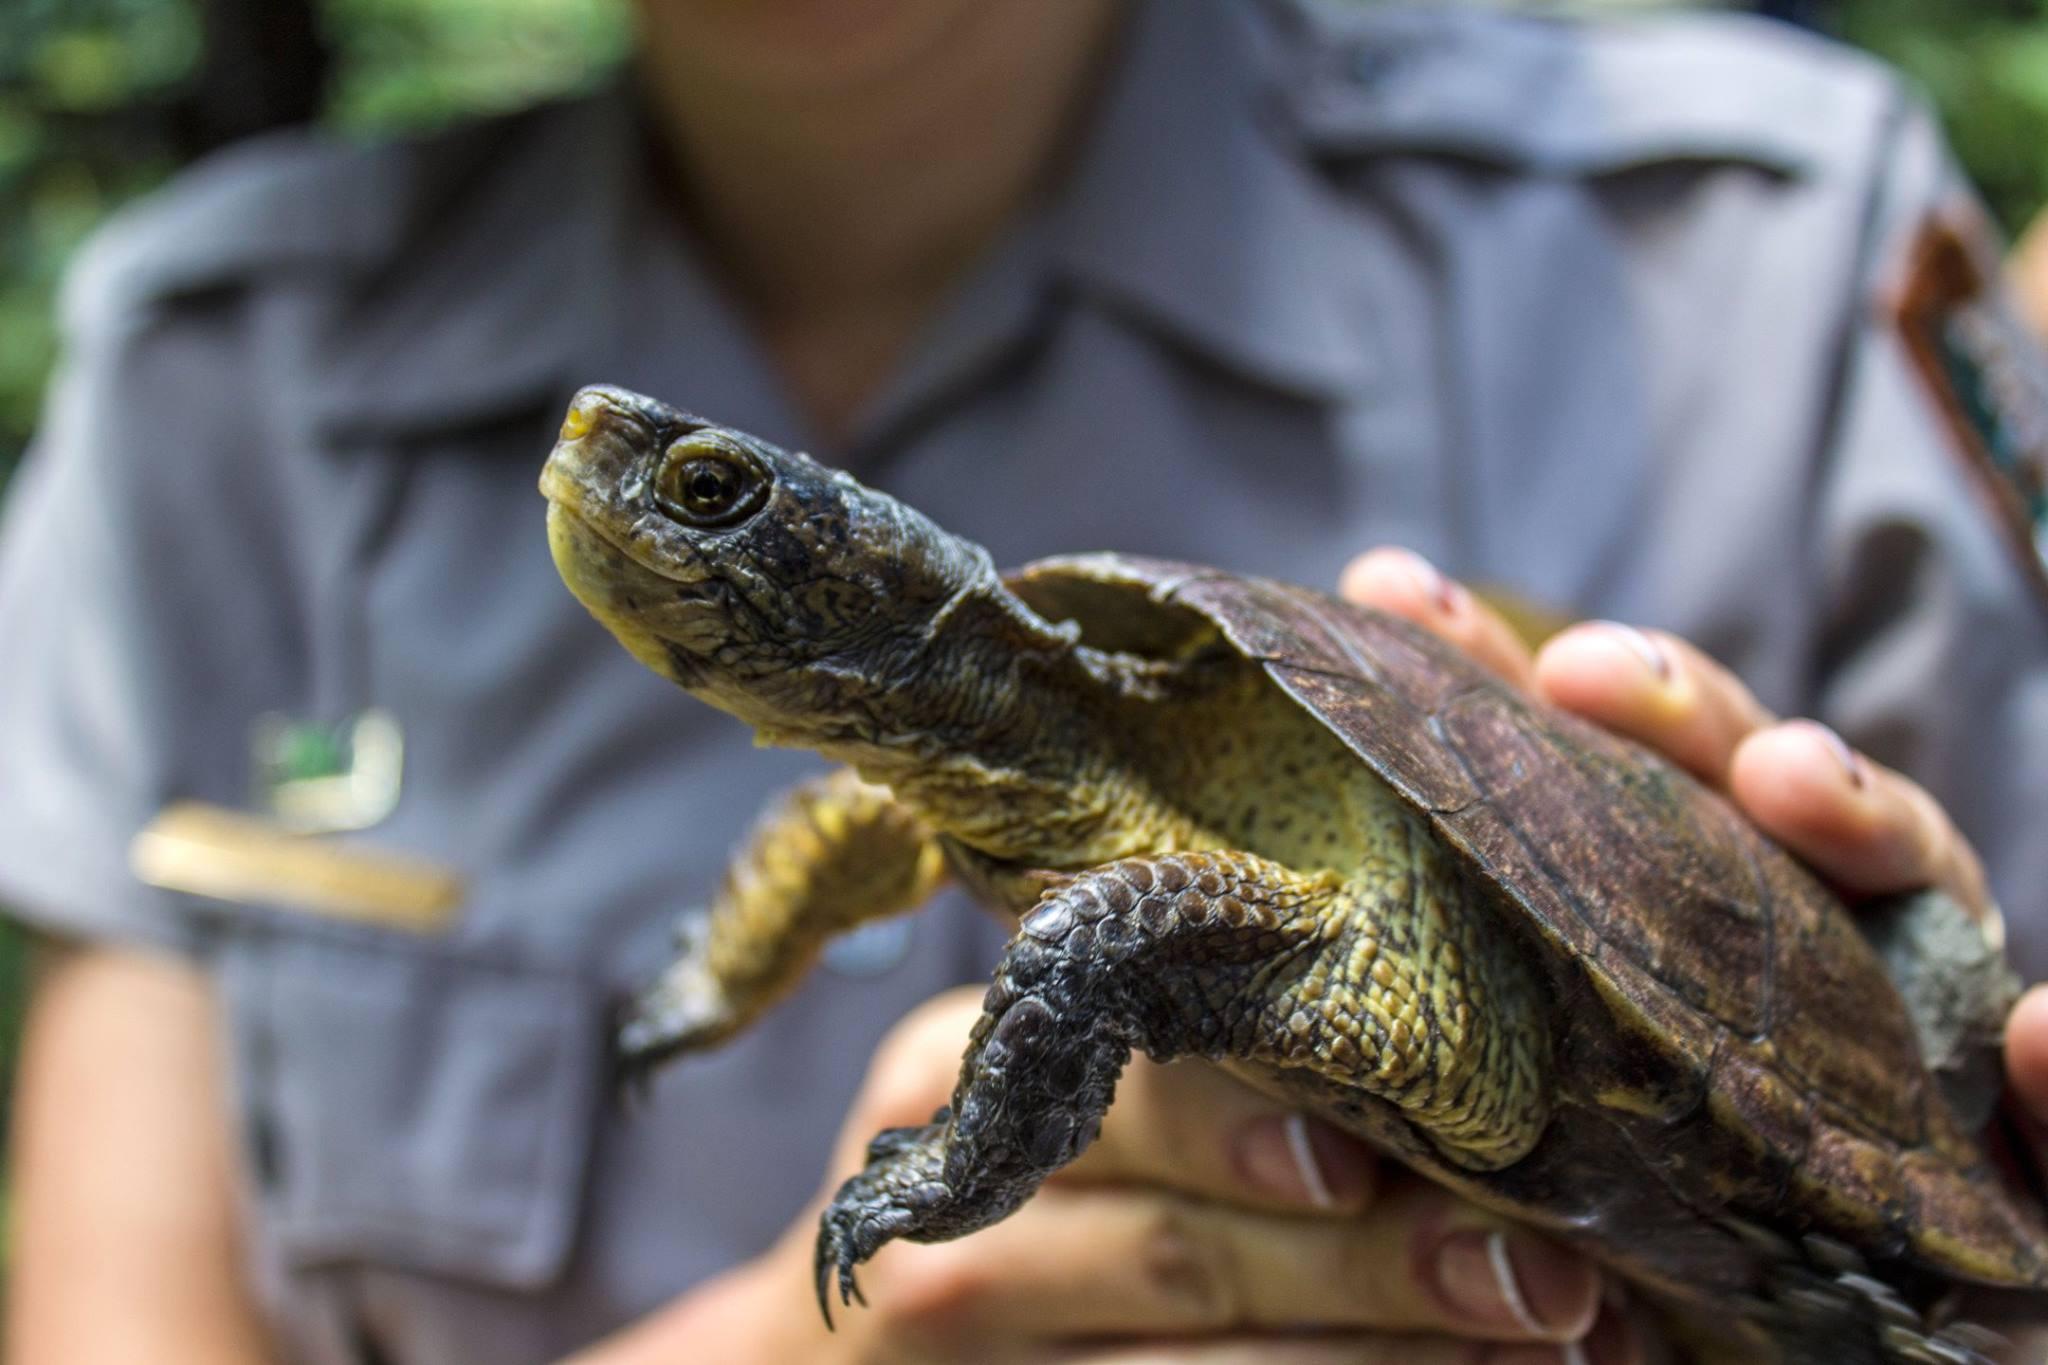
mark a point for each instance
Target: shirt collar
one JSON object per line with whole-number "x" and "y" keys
{"x": 495, "y": 305}
{"x": 1193, "y": 211}
{"x": 1187, "y": 212}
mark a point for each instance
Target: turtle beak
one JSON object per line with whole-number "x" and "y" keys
{"x": 600, "y": 457}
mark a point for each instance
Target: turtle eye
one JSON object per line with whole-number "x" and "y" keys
{"x": 705, "y": 482}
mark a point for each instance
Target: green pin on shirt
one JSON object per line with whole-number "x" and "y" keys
{"x": 319, "y": 780}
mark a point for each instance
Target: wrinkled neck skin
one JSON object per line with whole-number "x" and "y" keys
{"x": 980, "y": 721}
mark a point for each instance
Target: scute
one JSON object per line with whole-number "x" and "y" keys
{"x": 1763, "y": 1130}
{"x": 1854, "y": 1185}
{"x": 1826, "y": 970}
{"x": 1370, "y": 715}
{"x": 1713, "y": 956}
{"x": 1961, "y": 1218}
{"x": 1615, "y": 835}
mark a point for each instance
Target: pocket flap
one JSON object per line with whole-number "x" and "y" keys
{"x": 406, "y": 1106}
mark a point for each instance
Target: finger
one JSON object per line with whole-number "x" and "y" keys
{"x": 2019, "y": 1140}
{"x": 1084, "y": 1261}
{"x": 2026, "y": 1054}
{"x": 1407, "y": 585}
{"x": 1655, "y": 688}
{"x": 1190, "y": 1127}
{"x": 1864, "y": 827}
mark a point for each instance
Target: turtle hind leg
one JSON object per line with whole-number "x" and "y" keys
{"x": 1218, "y": 955}
{"x": 1818, "y": 1301}
{"x": 833, "y": 853}
{"x": 1833, "y": 1314}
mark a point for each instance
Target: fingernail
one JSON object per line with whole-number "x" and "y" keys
{"x": 1294, "y": 1158}
{"x": 1504, "y": 1279}
{"x": 1642, "y": 646}
{"x": 1448, "y": 596}
{"x": 1302, "y": 1149}
{"x": 1851, "y": 761}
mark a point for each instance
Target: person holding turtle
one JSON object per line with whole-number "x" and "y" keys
{"x": 1687, "y": 324}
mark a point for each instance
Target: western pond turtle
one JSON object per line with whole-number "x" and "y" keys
{"x": 1245, "y": 821}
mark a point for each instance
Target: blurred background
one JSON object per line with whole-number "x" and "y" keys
{"x": 101, "y": 99}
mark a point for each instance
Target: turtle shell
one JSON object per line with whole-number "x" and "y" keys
{"x": 1732, "y": 1060}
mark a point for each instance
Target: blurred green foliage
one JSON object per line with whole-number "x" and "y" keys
{"x": 413, "y": 63}
{"x": 73, "y": 73}
{"x": 1985, "y": 62}
{"x": 89, "y": 116}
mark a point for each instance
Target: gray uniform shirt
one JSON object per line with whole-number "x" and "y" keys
{"x": 1594, "y": 312}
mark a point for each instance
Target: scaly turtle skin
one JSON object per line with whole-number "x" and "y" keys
{"x": 1244, "y": 821}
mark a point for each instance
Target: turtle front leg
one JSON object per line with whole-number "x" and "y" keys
{"x": 833, "y": 853}
{"x": 1151, "y": 953}
{"x": 1388, "y": 986}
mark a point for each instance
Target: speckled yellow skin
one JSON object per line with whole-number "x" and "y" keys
{"x": 1395, "y": 985}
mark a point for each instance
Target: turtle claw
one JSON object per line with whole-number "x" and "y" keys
{"x": 686, "y": 1010}
{"x": 821, "y": 1271}
{"x": 897, "y": 1195}
{"x": 639, "y": 1046}
{"x": 845, "y": 1239}
{"x": 629, "y": 1070}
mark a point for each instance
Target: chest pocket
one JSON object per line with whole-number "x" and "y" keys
{"x": 406, "y": 1106}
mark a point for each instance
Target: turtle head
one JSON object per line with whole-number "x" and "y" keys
{"x": 766, "y": 583}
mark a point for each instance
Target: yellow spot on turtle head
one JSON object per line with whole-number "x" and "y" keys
{"x": 581, "y": 418}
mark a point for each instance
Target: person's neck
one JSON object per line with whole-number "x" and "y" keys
{"x": 841, "y": 203}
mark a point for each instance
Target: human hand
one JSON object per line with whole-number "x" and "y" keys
{"x": 1206, "y": 1225}
{"x": 1866, "y": 828}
